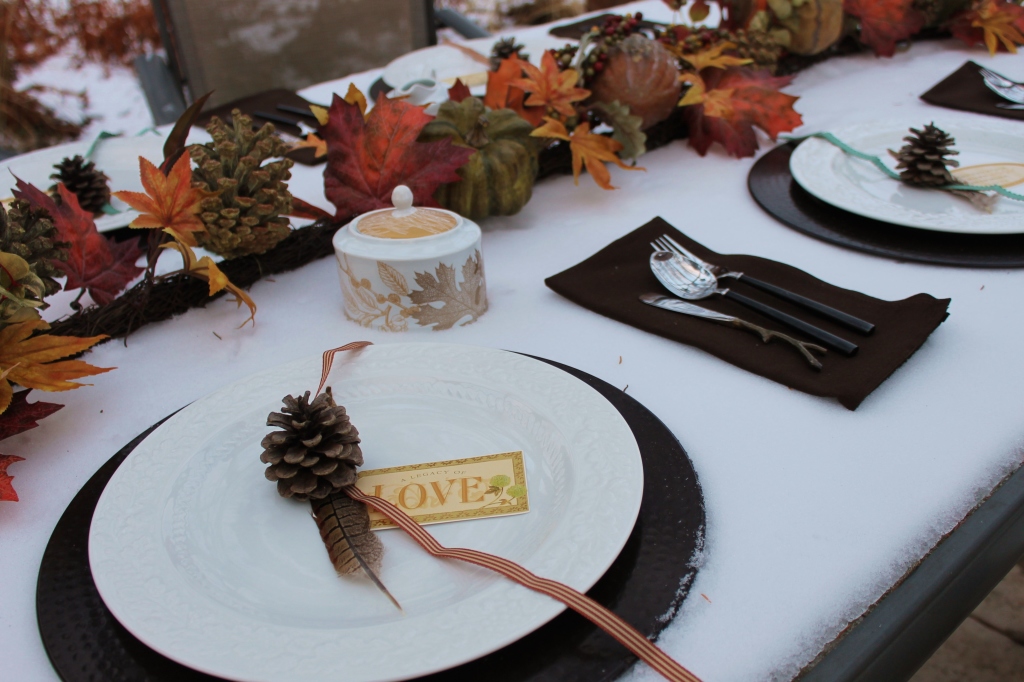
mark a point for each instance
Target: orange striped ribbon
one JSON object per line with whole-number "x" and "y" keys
{"x": 622, "y": 631}
{"x": 329, "y": 359}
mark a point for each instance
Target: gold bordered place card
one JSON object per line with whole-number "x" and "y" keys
{"x": 455, "y": 490}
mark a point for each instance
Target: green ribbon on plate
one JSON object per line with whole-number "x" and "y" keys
{"x": 829, "y": 137}
{"x": 104, "y": 135}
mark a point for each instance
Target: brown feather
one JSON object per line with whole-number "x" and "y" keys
{"x": 345, "y": 529}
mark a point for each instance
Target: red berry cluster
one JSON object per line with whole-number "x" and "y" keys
{"x": 616, "y": 28}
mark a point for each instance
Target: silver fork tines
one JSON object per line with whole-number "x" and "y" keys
{"x": 1002, "y": 86}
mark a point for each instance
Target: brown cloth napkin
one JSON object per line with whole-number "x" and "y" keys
{"x": 965, "y": 89}
{"x": 611, "y": 281}
{"x": 267, "y": 101}
{"x": 577, "y": 30}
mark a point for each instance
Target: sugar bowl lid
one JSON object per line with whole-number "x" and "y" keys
{"x": 405, "y": 221}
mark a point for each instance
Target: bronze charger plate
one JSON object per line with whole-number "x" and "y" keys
{"x": 648, "y": 580}
{"x": 773, "y": 187}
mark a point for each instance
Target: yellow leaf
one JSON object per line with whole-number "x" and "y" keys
{"x": 695, "y": 93}
{"x": 712, "y": 57}
{"x": 35, "y": 361}
{"x": 205, "y": 269}
{"x": 320, "y": 113}
{"x": 355, "y": 96}
{"x": 999, "y": 22}
{"x": 551, "y": 128}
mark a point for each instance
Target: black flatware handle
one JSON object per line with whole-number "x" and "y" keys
{"x": 275, "y": 118}
{"x": 831, "y": 340}
{"x": 854, "y": 323}
{"x": 298, "y": 111}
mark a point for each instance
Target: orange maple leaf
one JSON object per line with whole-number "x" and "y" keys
{"x": 588, "y": 150}
{"x": 206, "y": 269}
{"x": 313, "y": 142}
{"x": 170, "y": 201}
{"x": 502, "y": 95}
{"x": 31, "y": 361}
{"x": 548, "y": 87}
{"x": 997, "y": 23}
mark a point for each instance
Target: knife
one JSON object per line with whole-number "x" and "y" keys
{"x": 676, "y": 305}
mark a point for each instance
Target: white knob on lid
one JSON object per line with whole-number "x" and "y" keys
{"x": 401, "y": 199}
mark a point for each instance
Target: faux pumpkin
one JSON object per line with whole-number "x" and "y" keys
{"x": 498, "y": 179}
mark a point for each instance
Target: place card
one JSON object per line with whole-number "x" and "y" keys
{"x": 453, "y": 490}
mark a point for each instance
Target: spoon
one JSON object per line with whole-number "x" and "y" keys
{"x": 693, "y": 281}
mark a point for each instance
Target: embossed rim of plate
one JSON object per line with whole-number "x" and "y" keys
{"x": 125, "y": 540}
{"x": 813, "y": 165}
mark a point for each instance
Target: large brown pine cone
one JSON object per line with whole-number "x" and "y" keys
{"x": 245, "y": 214}
{"x": 316, "y": 452}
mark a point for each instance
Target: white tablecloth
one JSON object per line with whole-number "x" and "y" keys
{"x": 813, "y": 511}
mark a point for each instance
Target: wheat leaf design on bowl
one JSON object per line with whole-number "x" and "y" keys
{"x": 392, "y": 279}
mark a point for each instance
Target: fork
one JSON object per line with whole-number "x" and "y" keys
{"x": 997, "y": 78}
{"x": 667, "y": 243}
{"x": 1002, "y": 86}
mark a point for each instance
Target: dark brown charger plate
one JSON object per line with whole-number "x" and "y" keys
{"x": 646, "y": 583}
{"x": 773, "y": 187}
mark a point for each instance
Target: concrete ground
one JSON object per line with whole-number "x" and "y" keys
{"x": 989, "y": 645}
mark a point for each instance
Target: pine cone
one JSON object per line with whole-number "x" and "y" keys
{"x": 922, "y": 161}
{"x": 317, "y": 451}
{"x": 245, "y": 215}
{"x": 505, "y": 48}
{"x": 30, "y": 234}
{"x": 85, "y": 181}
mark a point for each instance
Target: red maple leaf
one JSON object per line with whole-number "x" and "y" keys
{"x": 459, "y": 91}
{"x": 883, "y": 23}
{"x": 7, "y": 493}
{"x": 99, "y": 265}
{"x": 734, "y": 102}
{"x": 22, "y": 415}
{"x": 366, "y": 160}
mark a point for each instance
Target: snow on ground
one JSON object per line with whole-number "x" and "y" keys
{"x": 115, "y": 99}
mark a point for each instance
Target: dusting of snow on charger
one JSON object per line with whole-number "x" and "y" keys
{"x": 407, "y": 268}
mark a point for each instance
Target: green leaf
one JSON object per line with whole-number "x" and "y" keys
{"x": 625, "y": 128}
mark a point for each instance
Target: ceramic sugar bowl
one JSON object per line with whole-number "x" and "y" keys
{"x": 411, "y": 268}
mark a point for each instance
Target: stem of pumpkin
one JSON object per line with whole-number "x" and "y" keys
{"x": 478, "y": 136}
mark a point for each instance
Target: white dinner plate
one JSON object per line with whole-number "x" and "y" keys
{"x": 438, "y": 62}
{"x": 196, "y": 554}
{"x": 444, "y": 62}
{"x": 857, "y": 186}
{"x": 118, "y": 157}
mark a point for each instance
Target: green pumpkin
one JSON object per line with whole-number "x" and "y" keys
{"x": 498, "y": 179}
